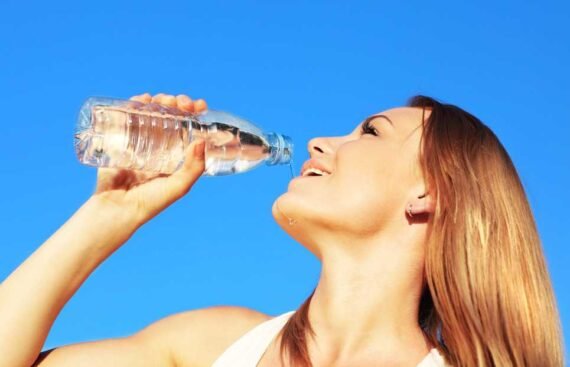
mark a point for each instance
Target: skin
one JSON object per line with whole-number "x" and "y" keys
{"x": 365, "y": 306}
{"x": 366, "y": 302}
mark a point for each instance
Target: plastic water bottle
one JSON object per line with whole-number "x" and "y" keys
{"x": 150, "y": 137}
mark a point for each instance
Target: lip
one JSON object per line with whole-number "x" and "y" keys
{"x": 314, "y": 163}
{"x": 296, "y": 179}
{"x": 299, "y": 177}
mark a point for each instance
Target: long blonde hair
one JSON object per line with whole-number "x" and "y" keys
{"x": 488, "y": 299}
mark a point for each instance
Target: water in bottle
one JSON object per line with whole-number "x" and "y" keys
{"x": 133, "y": 135}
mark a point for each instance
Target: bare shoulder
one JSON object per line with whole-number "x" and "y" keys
{"x": 196, "y": 338}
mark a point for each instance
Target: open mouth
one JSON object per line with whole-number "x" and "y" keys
{"x": 314, "y": 172}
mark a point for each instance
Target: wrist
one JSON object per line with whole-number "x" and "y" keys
{"x": 111, "y": 215}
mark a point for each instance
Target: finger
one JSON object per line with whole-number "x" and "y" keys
{"x": 168, "y": 100}
{"x": 138, "y": 98}
{"x": 184, "y": 103}
{"x": 164, "y": 99}
{"x": 200, "y": 105}
{"x": 193, "y": 167}
{"x": 146, "y": 97}
{"x": 136, "y": 101}
{"x": 157, "y": 97}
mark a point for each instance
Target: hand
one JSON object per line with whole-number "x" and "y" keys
{"x": 143, "y": 195}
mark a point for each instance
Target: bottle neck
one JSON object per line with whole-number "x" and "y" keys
{"x": 280, "y": 149}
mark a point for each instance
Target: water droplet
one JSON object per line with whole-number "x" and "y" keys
{"x": 291, "y": 168}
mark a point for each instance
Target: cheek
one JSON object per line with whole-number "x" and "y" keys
{"x": 361, "y": 201}
{"x": 370, "y": 190}
{"x": 368, "y": 172}
{"x": 359, "y": 214}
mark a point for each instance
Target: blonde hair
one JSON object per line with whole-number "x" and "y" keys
{"x": 488, "y": 299}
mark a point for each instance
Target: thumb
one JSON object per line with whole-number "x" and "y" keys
{"x": 194, "y": 157}
{"x": 192, "y": 168}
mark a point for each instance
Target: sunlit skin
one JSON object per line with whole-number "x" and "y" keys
{"x": 356, "y": 222}
{"x": 181, "y": 101}
{"x": 147, "y": 189}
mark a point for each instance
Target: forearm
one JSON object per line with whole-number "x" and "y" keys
{"x": 34, "y": 294}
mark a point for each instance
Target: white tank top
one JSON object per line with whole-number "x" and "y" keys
{"x": 248, "y": 350}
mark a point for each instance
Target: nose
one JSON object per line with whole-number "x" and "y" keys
{"x": 319, "y": 146}
{"x": 326, "y": 145}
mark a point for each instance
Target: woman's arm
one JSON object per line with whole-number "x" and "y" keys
{"x": 189, "y": 339}
{"x": 34, "y": 294}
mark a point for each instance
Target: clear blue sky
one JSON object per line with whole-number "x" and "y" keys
{"x": 305, "y": 69}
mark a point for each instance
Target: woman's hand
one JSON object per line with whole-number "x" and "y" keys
{"x": 143, "y": 195}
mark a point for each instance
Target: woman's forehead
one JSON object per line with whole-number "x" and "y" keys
{"x": 401, "y": 118}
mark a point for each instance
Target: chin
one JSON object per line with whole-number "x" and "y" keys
{"x": 277, "y": 211}
{"x": 299, "y": 231}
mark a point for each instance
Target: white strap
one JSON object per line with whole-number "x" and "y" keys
{"x": 433, "y": 359}
{"x": 248, "y": 350}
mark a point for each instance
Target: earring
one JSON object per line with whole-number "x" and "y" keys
{"x": 410, "y": 210}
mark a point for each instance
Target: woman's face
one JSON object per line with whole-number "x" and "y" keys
{"x": 370, "y": 182}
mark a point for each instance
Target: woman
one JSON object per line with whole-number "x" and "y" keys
{"x": 430, "y": 257}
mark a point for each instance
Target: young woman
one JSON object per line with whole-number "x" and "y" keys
{"x": 430, "y": 257}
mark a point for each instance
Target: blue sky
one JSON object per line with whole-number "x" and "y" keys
{"x": 305, "y": 69}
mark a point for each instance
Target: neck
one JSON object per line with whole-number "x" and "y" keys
{"x": 367, "y": 303}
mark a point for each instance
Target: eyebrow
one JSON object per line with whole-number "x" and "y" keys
{"x": 373, "y": 117}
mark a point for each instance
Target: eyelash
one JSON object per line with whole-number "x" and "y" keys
{"x": 367, "y": 129}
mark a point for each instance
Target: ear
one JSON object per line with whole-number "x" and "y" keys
{"x": 423, "y": 204}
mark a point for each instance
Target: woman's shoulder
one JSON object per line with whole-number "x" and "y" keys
{"x": 197, "y": 337}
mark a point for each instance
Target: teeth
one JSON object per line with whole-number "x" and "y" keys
{"x": 314, "y": 170}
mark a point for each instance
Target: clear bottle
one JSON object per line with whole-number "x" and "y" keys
{"x": 150, "y": 137}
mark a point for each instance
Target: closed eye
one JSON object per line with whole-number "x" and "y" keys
{"x": 367, "y": 128}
